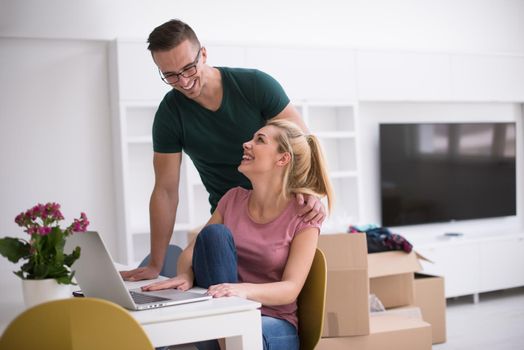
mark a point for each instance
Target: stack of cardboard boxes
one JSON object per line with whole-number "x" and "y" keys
{"x": 415, "y": 307}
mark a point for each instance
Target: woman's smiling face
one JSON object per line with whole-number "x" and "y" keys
{"x": 261, "y": 153}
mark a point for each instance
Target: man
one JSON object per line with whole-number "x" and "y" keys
{"x": 209, "y": 114}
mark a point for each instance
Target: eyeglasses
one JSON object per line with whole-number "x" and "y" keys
{"x": 189, "y": 71}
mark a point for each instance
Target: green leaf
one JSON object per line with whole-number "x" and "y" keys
{"x": 69, "y": 259}
{"x": 40, "y": 271}
{"x": 65, "y": 280}
{"x": 14, "y": 249}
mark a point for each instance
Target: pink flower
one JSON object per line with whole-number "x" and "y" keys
{"x": 20, "y": 219}
{"x": 45, "y": 245}
{"x": 42, "y": 231}
{"x": 80, "y": 225}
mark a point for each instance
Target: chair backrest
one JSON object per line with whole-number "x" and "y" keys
{"x": 75, "y": 324}
{"x": 311, "y": 303}
{"x": 170, "y": 261}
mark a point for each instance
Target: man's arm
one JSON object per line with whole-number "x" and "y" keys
{"x": 162, "y": 212}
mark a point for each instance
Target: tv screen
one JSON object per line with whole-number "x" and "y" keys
{"x": 444, "y": 172}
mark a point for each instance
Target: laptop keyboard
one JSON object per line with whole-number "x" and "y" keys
{"x": 141, "y": 298}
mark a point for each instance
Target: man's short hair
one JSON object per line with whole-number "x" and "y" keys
{"x": 171, "y": 34}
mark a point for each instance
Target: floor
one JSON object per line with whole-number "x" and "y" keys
{"x": 496, "y": 322}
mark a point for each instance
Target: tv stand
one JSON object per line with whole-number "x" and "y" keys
{"x": 475, "y": 262}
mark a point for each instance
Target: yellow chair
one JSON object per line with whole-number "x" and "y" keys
{"x": 311, "y": 303}
{"x": 75, "y": 324}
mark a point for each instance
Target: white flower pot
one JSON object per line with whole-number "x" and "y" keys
{"x": 40, "y": 291}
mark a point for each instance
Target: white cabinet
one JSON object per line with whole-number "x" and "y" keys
{"x": 458, "y": 263}
{"x": 335, "y": 125}
{"x": 487, "y": 78}
{"x": 308, "y": 73}
{"x": 134, "y": 73}
{"x": 403, "y": 76}
{"x": 476, "y": 264}
{"x": 502, "y": 263}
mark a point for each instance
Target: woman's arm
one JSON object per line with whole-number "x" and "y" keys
{"x": 299, "y": 262}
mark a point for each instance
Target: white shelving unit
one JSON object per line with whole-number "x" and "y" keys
{"x": 136, "y": 179}
{"x": 335, "y": 124}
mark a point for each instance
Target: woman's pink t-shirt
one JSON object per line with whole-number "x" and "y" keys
{"x": 262, "y": 249}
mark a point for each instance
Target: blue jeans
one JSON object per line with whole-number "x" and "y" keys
{"x": 215, "y": 257}
{"x": 215, "y": 262}
{"x": 279, "y": 334}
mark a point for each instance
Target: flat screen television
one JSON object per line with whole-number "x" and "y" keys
{"x": 442, "y": 172}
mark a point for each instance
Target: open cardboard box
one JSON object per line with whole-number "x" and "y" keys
{"x": 347, "y": 306}
{"x": 387, "y": 331}
{"x": 391, "y": 276}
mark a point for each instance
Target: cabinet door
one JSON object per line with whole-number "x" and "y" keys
{"x": 138, "y": 77}
{"x": 458, "y": 263}
{"x": 391, "y": 76}
{"x": 224, "y": 55}
{"x": 501, "y": 264}
{"x": 305, "y": 73}
{"x": 487, "y": 78}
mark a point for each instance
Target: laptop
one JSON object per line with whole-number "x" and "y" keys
{"x": 98, "y": 278}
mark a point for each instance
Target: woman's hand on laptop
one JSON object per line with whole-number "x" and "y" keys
{"x": 140, "y": 273}
{"x": 229, "y": 289}
{"x": 182, "y": 282}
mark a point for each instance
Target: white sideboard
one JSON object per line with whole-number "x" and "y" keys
{"x": 475, "y": 263}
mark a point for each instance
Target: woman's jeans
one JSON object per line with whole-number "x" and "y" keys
{"x": 215, "y": 262}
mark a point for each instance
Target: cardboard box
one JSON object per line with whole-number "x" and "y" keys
{"x": 404, "y": 311}
{"x": 391, "y": 277}
{"x": 347, "y": 306}
{"x": 390, "y": 332}
{"x": 429, "y": 296}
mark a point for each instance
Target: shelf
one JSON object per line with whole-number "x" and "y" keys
{"x": 140, "y": 139}
{"x": 335, "y": 134}
{"x": 343, "y": 174}
{"x": 138, "y": 120}
{"x": 144, "y": 229}
{"x": 340, "y": 154}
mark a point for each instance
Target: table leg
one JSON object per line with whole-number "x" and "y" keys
{"x": 251, "y": 338}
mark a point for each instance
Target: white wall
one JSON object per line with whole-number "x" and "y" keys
{"x": 55, "y": 133}
{"x": 464, "y": 25}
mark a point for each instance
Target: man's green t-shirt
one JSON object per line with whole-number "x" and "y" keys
{"x": 213, "y": 140}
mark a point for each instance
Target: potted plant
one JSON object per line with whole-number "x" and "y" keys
{"x": 47, "y": 269}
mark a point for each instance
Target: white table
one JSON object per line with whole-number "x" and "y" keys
{"x": 236, "y": 319}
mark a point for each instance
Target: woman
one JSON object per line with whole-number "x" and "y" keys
{"x": 255, "y": 245}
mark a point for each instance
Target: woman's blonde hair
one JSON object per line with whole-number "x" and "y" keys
{"x": 307, "y": 172}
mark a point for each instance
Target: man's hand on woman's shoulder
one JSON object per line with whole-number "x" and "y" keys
{"x": 311, "y": 208}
